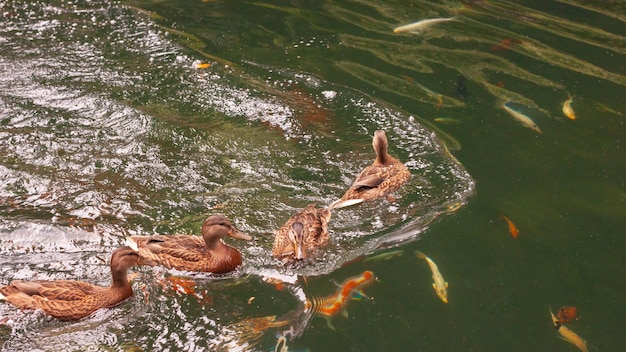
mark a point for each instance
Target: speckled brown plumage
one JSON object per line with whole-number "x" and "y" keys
{"x": 385, "y": 175}
{"x": 302, "y": 233}
{"x": 193, "y": 253}
{"x": 73, "y": 300}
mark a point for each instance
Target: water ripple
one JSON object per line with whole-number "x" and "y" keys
{"x": 107, "y": 130}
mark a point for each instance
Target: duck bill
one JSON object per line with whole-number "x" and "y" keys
{"x": 298, "y": 253}
{"x": 239, "y": 235}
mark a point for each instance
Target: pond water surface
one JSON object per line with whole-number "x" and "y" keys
{"x": 144, "y": 117}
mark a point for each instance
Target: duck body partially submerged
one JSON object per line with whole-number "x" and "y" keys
{"x": 385, "y": 175}
{"x": 193, "y": 253}
{"x": 70, "y": 299}
{"x": 303, "y": 233}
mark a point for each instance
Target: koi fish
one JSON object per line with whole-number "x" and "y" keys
{"x": 512, "y": 228}
{"x": 505, "y": 44}
{"x": 454, "y": 207}
{"x": 604, "y": 108}
{"x": 352, "y": 288}
{"x": 568, "y": 335}
{"x": 439, "y": 102}
{"x": 420, "y": 25}
{"x": 384, "y": 256}
{"x": 523, "y": 119}
{"x": 567, "y": 108}
{"x": 440, "y": 285}
{"x": 461, "y": 88}
{"x": 199, "y": 65}
{"x": 281, "y": 345}
{"x": 567, "y": 314}
{"x": 447, "y": 120}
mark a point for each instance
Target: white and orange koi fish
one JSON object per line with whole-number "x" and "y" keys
{"x": 568, "y": 335}
{"x": 350, "y": 289}
{"x": 567, "y": 108}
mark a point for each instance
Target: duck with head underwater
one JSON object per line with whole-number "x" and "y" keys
{"x": 70, "y": 299}
{"x": 192, "y": 253}
{"x": 385, "y": 175}
{"x": 302, "y": 233}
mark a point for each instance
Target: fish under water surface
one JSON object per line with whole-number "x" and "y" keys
{"x": 351, "y": 289}
{"x": 143, "y": 118}
{"x": 421, "y": 25}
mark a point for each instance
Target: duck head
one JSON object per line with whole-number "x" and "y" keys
{"x": 216, "y": 227}
{"x": 296, "y": 237}
{"x": 123, "y": 258}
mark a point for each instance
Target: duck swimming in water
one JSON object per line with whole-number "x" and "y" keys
{"x": 305, "y": 231}
{"x": 385, "y": 175}
{"x": 192, "y": 253}
{"x": 73, "y": 300}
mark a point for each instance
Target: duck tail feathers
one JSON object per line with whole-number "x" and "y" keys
{"x": 131, "y": 243}
{"x": 338, "y": 204}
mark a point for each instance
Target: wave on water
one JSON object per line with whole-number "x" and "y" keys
{"x": 108, "y": 130}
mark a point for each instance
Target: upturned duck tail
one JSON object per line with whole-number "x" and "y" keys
{"x": 132, "y": 244}
{"x": 338, "y": 204}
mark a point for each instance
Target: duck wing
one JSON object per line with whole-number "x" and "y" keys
{"x": 370, "y": 179}
{"x": 61, "y": 290}
{"x": 378, "y": 180}
{"x": 315, "y": 222}
{"x": 318, "y": 228}
{"x": 186, "y": 248}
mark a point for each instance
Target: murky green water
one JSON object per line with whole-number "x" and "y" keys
{"x": 107, "y": 130}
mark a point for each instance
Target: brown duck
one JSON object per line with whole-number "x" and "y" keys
{"x": 302, "y": 233}
{"x": 192, "y": 253}
{"x": 73, "y": 300}
{"x": 385, "y": 175}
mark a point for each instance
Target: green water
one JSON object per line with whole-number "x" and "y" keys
{"x": 107, "y": 130}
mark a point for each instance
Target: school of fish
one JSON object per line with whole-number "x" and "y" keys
{"x": 353, "y": 288}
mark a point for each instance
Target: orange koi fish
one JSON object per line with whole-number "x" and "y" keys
{"x": 567, "y": 314}
{"x": 352, "y": 288}
{"x": 512, "y": 229}
{"x": 186, "y": 286}
{"x": 506, "y": 44}
{"x": 199, "y": 65}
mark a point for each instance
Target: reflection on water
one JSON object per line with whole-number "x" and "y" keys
{"x": 108, "y": 129}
